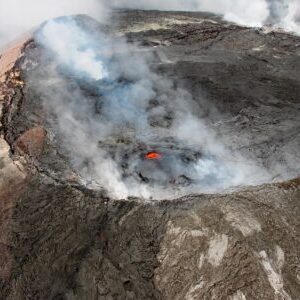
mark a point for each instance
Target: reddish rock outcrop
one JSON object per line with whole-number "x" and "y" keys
{"x": 31, "y": 142}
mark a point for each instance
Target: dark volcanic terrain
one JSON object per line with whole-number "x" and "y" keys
{"x": 61, "y": 238}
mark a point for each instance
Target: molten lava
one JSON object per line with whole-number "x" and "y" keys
{"x": 153, "y": 155}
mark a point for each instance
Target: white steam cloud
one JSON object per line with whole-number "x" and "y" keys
{"x": 19, "y": 16}
{"x": 69, "y": 49}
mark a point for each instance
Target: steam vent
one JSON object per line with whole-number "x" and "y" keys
{"x": 155, "y": 158}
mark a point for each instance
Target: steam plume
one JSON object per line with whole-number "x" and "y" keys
{"x": 136, "y": 106}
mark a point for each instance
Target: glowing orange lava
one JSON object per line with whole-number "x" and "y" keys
{"x": 153, "y": 155}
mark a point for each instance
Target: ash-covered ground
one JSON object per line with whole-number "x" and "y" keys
{"x": 157, "y": 105}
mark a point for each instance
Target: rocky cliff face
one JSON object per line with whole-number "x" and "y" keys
{"x": 61, "y": 239}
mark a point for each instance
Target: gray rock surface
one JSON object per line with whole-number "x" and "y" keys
{"x": 62, "y": 240}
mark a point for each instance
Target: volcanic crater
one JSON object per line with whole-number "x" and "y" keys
{"x": 66, "y": 236}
